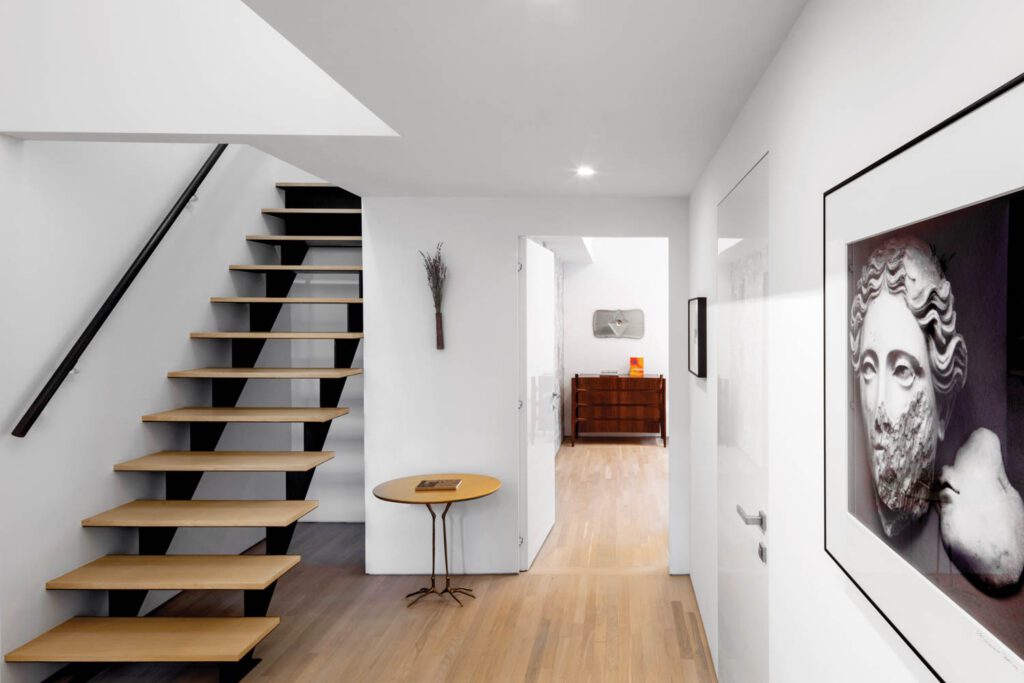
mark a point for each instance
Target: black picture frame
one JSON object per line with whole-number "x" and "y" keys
{"x": 697, "y": 323}
{"x": 950, "y": 120}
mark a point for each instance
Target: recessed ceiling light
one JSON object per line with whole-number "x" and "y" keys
{"x": 585, "y": 171}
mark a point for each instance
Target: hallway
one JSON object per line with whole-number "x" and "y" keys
{"x": 598, "y": 605}
{"x": 612, "y": 503}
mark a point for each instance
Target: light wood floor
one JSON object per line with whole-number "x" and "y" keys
{"x": 598, "y": 604}
{"x": 611, "y": 511}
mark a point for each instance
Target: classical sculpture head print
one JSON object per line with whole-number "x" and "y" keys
{"x": 910, "y": 362}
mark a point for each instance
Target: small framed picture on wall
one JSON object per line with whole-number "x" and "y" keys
{"x": 697, "y": 318}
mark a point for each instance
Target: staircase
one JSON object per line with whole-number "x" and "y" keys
{"x": 315, "y": 215}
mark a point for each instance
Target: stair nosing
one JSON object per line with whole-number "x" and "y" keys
{"x": 179, "y": 506}
{"x": 246, "y": 334}
{"x": 149, "y": 625}
{"x": 285, "y": 185}
{"x": 206, "y": 413}
{"x": 67, "y": 581}
{"x": 313, "y": 459}
{"x": 268, "y": 237}
{"x": 265, "y": 373}
{"x": 311, "y": 211}
{"x": 285, "y": 300}
{"x": 302, "y": 268}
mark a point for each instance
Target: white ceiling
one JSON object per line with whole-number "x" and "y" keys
{"x": 506, "y": 97}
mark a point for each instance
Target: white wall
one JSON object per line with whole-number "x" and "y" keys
{"x": 625, "y": 273}
{"x": 853, "y": 81}
{"x": 75, "y": 214}
{"x": 452, "y": 410}
{"x": 539, "y": 308}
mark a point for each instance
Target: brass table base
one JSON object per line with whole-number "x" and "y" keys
{"x": 432, "y": 588}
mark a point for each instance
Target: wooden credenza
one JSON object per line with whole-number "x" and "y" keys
{"x": 603, "y": 404}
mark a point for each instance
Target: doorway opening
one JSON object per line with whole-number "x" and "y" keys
{"x": 594, "y": 468}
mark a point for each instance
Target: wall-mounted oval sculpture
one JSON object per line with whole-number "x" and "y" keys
{"x": 619, "y": 323}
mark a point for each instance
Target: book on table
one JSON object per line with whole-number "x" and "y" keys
{"x": 438, "y": 485}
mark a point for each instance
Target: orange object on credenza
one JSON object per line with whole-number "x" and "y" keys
{"x": 636, "y": 366}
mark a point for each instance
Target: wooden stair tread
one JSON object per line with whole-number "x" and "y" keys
{"x": 310, "y": 240}
{"x": 283, "y": 300}
{"x": 310, "y": 212}
{"x": 266, "y": 373}
{"x": 246, "y": 415}
{"x": 204, "y": 513}
{"x": 177, "y": 572}
{"x": 260, "y": 268}
{"x": 276, "y": 335}
{"x": 226, "y": 461}
{"x": 285, "y": 186}
{"x": 147, "y": 639}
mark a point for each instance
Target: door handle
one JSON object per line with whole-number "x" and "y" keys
{"x": 760, "y": 519}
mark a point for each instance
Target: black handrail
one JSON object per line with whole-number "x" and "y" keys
{"x": 66, "y": 365}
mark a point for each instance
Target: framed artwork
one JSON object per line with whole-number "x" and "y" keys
{"x": 697, "y": 320}
{"x": 924, "y": 388}
{"x": 618, "y": 324}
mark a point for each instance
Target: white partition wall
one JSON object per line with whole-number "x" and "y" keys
{"x": 456, "y": 409}
{"x": 742, "y": 352}
{"x": 852, "y": 82}
{"x": 540, "y": 397}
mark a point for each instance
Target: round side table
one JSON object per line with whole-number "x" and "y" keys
{"x": 403, "y": 490}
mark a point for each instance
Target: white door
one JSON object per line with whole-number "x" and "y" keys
{"x": 540, "y": 396}
{"x": 741, "y": 314}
